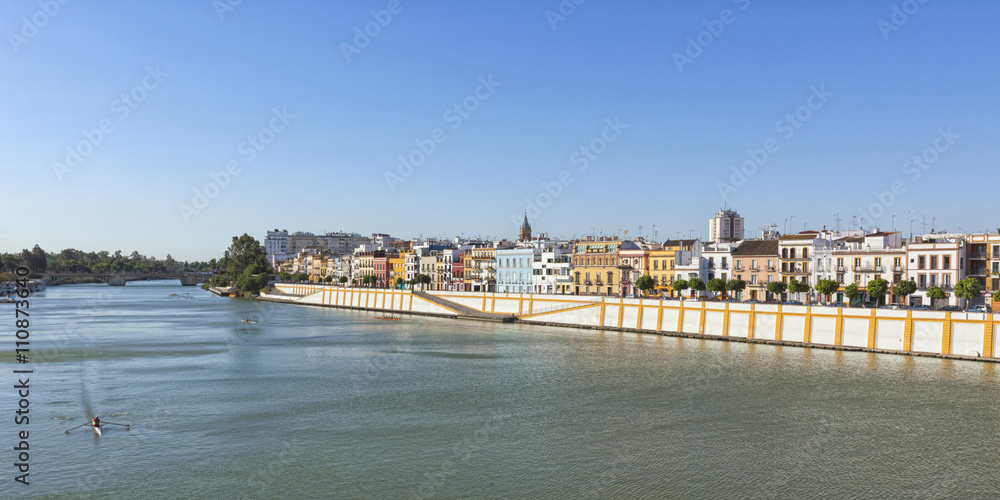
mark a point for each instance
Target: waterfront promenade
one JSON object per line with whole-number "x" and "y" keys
{"x": 925, "y": 333}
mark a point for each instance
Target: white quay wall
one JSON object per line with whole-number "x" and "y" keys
{"x": 931, "y": 332}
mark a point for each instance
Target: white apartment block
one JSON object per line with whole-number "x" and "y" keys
{"x": 936, "y": 260}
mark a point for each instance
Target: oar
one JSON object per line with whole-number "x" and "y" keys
{"x": 77, "y": 427}
{"x": 112, "y": 423}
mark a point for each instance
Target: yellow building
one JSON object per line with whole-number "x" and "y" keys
{"x": 397, "y": 265}
{"x": 595, "y": 266}
{"x": 661, "y": 269}
{"x": 480, "y": 270}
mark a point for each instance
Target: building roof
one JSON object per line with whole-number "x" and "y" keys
{"x": 882, "y": 233}
{"x": 799, "y": 236}
{"x": 678, "y": 243}
{"x": 757, "y": 247}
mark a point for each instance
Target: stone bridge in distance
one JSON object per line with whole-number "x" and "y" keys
{"x": 119, "y": 279}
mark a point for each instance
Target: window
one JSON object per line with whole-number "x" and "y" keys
{"x": 723, "y": 262}
{"x": 805, "y": 253}
{"x": 921, "y": 262}
{"x": 857, "y": 262}
{"x": 770, "y": 264}
{"x": 784, "y": 253}
{"x": 946, "y": 280}
{"x": 996, "y": 251}
{"x": 791, "y": 253}
{"x": 840, "y": 262}
{"x": 922, "y": 281}
{"x": 753, "y": 279}
{"x": 656, "y": 265}
{"x": 933, "y": 261}
{"x": 753, "y": 264}
{"x": 770, "y": 278}
{"x": 933, "y": 280}
{"x": 897, "y": 263}
{"x": 946, "y": 262}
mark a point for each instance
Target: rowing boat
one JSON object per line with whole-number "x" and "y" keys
{"x": 97, "y": 430}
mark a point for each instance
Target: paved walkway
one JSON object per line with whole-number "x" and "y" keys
{"x": 463, "y": 311}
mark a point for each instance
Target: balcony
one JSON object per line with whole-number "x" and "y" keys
{"x": 770, "y": 269}
{"x": 982, "y": 271}
{"x": 978, "y": 256}
{"x": 841, "y": 269}
{"x": 869, "y": 269}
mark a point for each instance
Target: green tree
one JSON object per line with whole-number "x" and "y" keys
{"x": 777, "y": 288}
{"x": 877, "y": 288}
{"x": 697, "y": 285}
{"x": 827, "y": 287}
{"x": 399, "y": 283}
{"x": 253, "y": 279}
{"x": 420, "y": 279}
{"x": 967, "y": 289}
{"x": 245, "y": 252}
{"x": 39, "y": 262}
{"x": 903, "y": 289}
{"x": 645, "y": 283}
{"x": 736, "y": 286}
{"x": 996, "y": 296}
{"x": 852, "y": 292}
{"x": 369, "y": 280}
{"x": 328, "y": 279}
{"x": 679, "y": 286}
{"x": 796, "y": 287}
{"x": 717, "y": 285}
{"x": 286, "y": 276}
{"x": 342, "y": 280}
{"x": 935, "y": 293}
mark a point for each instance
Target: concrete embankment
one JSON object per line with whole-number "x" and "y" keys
{"x": 924, "y": 333}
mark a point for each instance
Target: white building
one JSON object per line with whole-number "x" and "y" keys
{"x": 276, "y": 244}
{"x": 689, "y": 264}
{"x": 936, "y": 260}
{"x": 726, "y": 226}
{"x": 553, "y": 271}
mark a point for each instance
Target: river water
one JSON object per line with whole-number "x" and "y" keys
{"x": 320, "y": 403}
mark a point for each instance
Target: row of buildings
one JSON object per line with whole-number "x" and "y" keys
{"x": 600, "y": 265}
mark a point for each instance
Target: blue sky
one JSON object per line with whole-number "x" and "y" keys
{"x": 330, "y": 123}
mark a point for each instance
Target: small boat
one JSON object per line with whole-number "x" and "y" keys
{"x": 97, "y": 430}
{"x": 390, "y": 318}
{"x": 247, "y": 321}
